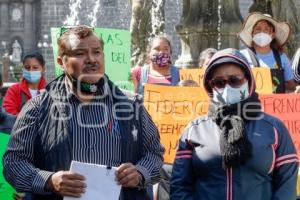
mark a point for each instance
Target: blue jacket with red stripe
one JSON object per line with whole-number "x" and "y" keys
{"x": 270, "y": 174}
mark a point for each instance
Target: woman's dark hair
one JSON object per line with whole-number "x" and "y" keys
{"x": 159, "y": 37}
{"x": 35, "y": 55}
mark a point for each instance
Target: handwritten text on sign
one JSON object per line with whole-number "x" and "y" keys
{"x": 262, "y": 76}
{"x": 172, "y": 108}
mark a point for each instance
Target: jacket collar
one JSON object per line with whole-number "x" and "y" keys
{"x": 24, "y": 85}
{"x": 58, "y": 90}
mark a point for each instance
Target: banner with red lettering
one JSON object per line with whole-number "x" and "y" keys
{"x": 172, "y": 108}
{"x": 287, "y": 108}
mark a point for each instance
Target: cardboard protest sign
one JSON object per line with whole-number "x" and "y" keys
{"x": 287, "y": 108}
{"x": 172, "y": 108}
{"x": 263, "y": 80}
{"x": 116, "y": 53}
{"x": 193, "y": 74}
{"x": 261, "y": 75}
{"x": 6, "y": 190}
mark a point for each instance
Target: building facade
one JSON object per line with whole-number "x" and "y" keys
{"x": 27, "y": 23}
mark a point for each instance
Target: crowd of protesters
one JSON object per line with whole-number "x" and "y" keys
{"x": 226, "y": 154}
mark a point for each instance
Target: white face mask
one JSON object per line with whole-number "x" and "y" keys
{"x": 262, "y": 39}
{"x": 230, "y": 95}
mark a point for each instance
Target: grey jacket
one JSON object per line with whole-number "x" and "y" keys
{"x": 270, "y": 174}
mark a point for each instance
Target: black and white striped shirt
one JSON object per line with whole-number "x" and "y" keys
{"x": 296, "y": 66}
{"x": 96, "y": 139}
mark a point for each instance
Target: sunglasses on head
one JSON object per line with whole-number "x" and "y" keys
{"x": 64, "y": 29}
{"x": 234, "y": 81}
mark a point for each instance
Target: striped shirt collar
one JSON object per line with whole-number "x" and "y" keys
{"x": 70, "y": 93}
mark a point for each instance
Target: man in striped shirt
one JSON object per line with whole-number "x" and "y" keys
{"x": 82, "y": 116}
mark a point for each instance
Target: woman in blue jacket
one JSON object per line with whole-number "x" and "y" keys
{"x": 235, "y": 151}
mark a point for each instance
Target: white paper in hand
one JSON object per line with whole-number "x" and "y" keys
{"x": 100, "y": 182}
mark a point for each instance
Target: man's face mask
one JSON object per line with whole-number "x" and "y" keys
{"x": 32, "y": 76}
{"x": 87, "y": 88}
{"x": 161, "y": 59}
{"x": 262, "y": 39}
{"x": 230, "y": 95}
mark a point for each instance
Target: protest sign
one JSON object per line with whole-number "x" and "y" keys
{"x": 262, "y": 76}
{"x": 116, "y": 53}
{"x": 172, "y": 108}
{"x": 263, "y": 80}
{"x": 287, "y": 108}
{"x": 192, "y": 74}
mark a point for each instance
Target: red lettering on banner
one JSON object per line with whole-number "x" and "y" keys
{"x": 277, "y": 105}
{"x": 293, "y": 126}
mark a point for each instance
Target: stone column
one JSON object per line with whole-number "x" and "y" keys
{"x": 4, "y": 18}
{"x": 140, "y": 29}
{"x": 147, "y": 21}
{"x": 5, "y": 68}
{"x": 29, "y": 29}
{"x": 207, "y": 23}
{"x": 4, "y": 37}
{"x": 158, "y": 17}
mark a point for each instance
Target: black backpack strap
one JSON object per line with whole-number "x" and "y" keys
{"x": 277, "y": 58}
{"x": 255, "y": 62}
{"x": 278, "y": 74}
{"x": 252, "y": 54}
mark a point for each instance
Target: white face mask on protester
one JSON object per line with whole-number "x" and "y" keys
{"x": 262, "y": 39}
{"x": 230, "y": 95}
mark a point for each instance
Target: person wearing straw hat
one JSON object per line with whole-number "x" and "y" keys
{"x": 236, "y": 151}
{"x": 265, "y": 38}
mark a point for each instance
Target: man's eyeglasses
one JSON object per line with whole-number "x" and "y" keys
{"x": 64, "y": 29}
{"x": 233, "y": 81}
